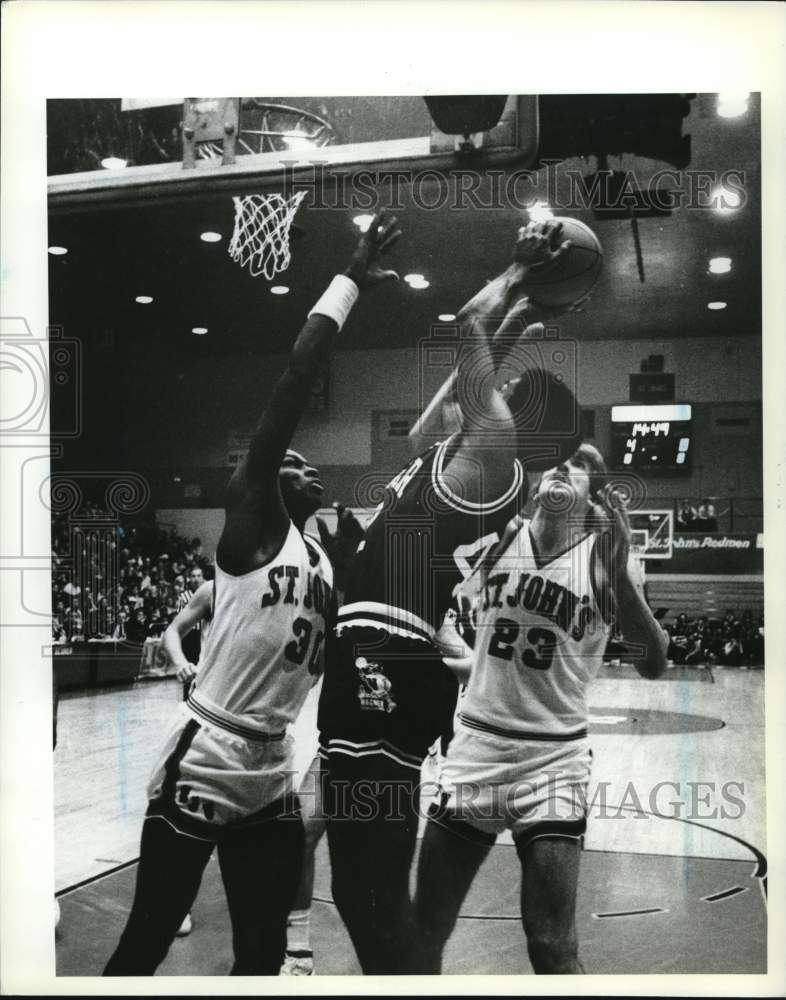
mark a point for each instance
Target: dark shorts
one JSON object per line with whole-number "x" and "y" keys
{"x": 384, "y": 691}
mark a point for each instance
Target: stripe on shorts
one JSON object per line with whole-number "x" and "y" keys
{"x": 513, "y": 734}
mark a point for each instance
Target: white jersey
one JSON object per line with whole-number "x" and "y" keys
{"x": 264, "y": 645}
{"x": 540, "y": 640}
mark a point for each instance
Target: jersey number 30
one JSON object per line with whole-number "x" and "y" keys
{"x": 540, "y": 644}
{"x": 296, "y": 650}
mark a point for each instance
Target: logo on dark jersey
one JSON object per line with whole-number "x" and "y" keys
{"x": 374, "y": 691}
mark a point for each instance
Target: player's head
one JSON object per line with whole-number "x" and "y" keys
{"x": 546, "y": 415}
{"x": 195, "y": 579}
{"x": 301, "y": 487}
{"x": 572, "y": 486}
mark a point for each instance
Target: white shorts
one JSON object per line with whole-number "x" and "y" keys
{"x": 206, "y": 777}
{"x": 533, "y": 788}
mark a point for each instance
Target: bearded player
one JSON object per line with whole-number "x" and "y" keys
{"x": 224, "y": 776}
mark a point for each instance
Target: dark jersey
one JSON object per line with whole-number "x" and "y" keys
{"x": 421, "y": 544}
{"x": 386, "y": 688}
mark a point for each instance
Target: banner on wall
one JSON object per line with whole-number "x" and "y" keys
{"x": 716, "y": 553}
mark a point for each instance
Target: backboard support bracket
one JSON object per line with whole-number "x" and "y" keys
{"x": 210, "y": 119}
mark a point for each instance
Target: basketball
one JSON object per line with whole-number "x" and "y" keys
{"x": 574, "y": 274}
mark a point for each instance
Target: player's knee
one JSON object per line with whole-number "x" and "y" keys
{"x": 553, "y": 952}
{"x": 315, "y": 829}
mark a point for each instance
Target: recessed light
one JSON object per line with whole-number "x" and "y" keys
{"x": 716, "y": 305}
{"x": 144, "y": 300}
{"x": 720, "y": 265}
{"x": 724, "y": 200}
{"x": 58, "y": 251}
{"x": 539, "y": 211}
{"x": 199, "y": 330}
{"x": 732, "y": 104}
{"x": 363, "y": 222}
{"x": 279, "y": 290}
{"x": 113, "y": 163}
{"x": 211, "y": 237}
{"x": 416, "y": 281}
{"x": 446, "y": 317}
{"x": 296, "y": 142}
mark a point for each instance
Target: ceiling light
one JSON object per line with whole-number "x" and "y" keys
{"x": 199, "y": 330}
{"x": 211, "y": 237}
{"x": 144, "y": 300}
{"x": 419, "y": 284}
{"x": 416, "y": 281}
{"x": 279, "y": 290}
{"x": 363, "y": 222}
{"x": 716, "y": 305}
{"x": 58, "y": 251}
{"x": 732, "y": 104}
{"x": 539, "y": 211}
{"x": 720, "y": 265}
{"x": 113, "y": 163}
{"x": 724, "y": 200}
{"x": 296, "y": 142}
{"x": 446, "y": 317}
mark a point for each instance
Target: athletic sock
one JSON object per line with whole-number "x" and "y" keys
{"x": 299, "y": 931}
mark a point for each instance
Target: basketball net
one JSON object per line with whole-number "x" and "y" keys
{"x": 260, "y": 240}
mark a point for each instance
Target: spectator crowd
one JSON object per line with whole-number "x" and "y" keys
{"x": 123, "y": 582}
{"x": 702, "y": 517}
{"x": 729, "y": 642}
{"x": 127, "y": 582}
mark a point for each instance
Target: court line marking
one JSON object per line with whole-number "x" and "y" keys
{"x": 630, "y": 913}
{"x": 95, "y": 878}
{"x": 725, "y": 894}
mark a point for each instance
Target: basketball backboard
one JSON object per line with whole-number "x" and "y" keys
{"x": 120, "y": 150}
{"x": 652, "y": 533}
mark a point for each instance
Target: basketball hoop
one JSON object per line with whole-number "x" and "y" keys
{"x": 260, "y": 240}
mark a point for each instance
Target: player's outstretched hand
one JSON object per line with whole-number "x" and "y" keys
{"x": 365, "y": 268}
{"x": 341, "y": 545}
{"x": 540, "y": 244}
{"x": 612, "y": 513}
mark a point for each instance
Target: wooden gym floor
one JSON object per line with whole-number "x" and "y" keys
{"x": 679, "y": 892}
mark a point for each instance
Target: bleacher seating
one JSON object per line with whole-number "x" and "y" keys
{"x": 710, "y": 596}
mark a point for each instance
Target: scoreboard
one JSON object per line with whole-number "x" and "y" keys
{"x": 651, "y": 438}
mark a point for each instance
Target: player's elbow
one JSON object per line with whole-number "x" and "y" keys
{"x": 170, "y": 635}
{"x": 653, "y": 664}
{"x": 461, "y": 668}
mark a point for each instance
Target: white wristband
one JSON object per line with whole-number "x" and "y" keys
{"x": 337, "y": 299}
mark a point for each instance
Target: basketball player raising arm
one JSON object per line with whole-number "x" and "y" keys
{"x": 223, "y": 778}
{"x": 538, "y": 244}
{"x": 615, "y": 574}
{"x": 547, "y": 595}
{"x": 387, "y": 696}
{"x": 257, "y": 519}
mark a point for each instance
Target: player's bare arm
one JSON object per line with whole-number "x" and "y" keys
{"x": 481, "y": 462}
{"x": 634, "y": 618}
{"x": 197, "y": 610}
{"x": 537, "y": 245}
{"x": 256, "y": 518}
